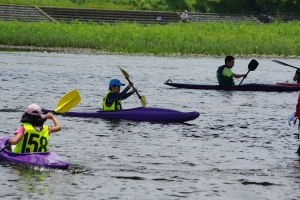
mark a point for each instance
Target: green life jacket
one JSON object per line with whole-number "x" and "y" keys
{"x": 224, "y": 80}
{"x": 33, "y": 140}
{"x": 116, "y": 105}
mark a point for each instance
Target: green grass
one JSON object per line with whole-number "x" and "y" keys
{"x": 211, "y": 38}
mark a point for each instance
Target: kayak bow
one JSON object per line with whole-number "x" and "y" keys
{"x": 288, "y": 84}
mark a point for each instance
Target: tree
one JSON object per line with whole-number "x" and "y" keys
{"x": 294, "y": 3}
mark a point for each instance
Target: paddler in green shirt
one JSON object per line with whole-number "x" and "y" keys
{"x": 224, "y": 73}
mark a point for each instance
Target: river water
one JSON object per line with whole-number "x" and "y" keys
{"x": 239, "y": 148}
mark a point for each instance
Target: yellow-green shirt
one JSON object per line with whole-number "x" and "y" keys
{"x": 227, "y": 72}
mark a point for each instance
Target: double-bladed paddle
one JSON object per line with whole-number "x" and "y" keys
{"x": 282, "y": 63}
{"x": 65, "y": 103}
{"x": 6, "y": 146}
{"x": 251, "y": 67}
{"x": 68, "y": 101}
{"x": 142, "y": 98}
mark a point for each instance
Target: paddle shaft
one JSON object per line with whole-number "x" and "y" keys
{"x": 244, "y": 77}
{"x": 4, "y": 147}
{"x": 142, "y": 98}
{"x": 293, "y": 67}
{"x": 282, "y": 63}
{"x": 134, "y": 88}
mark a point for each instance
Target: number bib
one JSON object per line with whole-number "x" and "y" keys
{"x": 33, "y": 140}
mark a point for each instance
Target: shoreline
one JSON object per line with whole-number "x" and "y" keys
{"x": 88, "y": 51}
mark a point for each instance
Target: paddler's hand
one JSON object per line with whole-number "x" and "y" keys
{"x": 130, "y": 84}
{"x": 49, "y": 116}
{"x": 291, "y": 118}
{"x": 134, "y": 90}
{"x": 244, "y": 75}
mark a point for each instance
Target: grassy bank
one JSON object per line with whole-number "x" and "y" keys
{"x": 211, "y": 38}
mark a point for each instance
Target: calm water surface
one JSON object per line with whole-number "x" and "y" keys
{"x": 239, "y": 148}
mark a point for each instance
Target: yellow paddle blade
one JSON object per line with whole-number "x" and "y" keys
{"x": 143, "y": 101}
{"x": 124, "y": 72}
{"x": 68, "y": 101}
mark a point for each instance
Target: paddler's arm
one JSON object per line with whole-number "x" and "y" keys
{"x": 296, "y": 76}
{"x": 16, "y": 139}
{"x": 294, "y": 115}
{"x": 56, "y": 126}
{"x": 130, "y": 84}
{"x": 130, "y": 93}
{"x": 229, "y": 73}
{"x": 239, "y": 75}
{"x": 113, "y": 96}
{"x": 18, "y": 136}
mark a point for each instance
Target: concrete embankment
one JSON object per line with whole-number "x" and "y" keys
{"x": 56, "y": 14}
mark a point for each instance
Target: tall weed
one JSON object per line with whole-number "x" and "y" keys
{"x": 210, "y": 38}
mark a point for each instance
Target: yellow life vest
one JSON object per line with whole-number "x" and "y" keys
{"x": 33, "y": 140}
{"x": 116, "y": 105}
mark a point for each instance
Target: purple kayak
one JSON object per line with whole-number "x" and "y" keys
{"x": 245, "y": 87}
{"x": 137, "y": 114}
{"x": 44, "y": 159}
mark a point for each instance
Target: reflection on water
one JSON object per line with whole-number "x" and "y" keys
{"x": 239, "y": 148}
{"x": 37, "y": 181}
{"x": 31, "y": 180}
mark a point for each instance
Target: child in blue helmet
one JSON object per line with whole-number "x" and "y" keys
{"x": 112, "y": 98}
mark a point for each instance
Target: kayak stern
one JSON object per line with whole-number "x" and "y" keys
{"x": 43, "y": 159}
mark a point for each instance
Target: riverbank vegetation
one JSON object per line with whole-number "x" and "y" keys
{"x": 209, "y": 38}
{"x": 207, "y": 6}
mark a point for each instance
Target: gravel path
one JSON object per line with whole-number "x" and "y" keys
{"x": 101, "y": 52}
